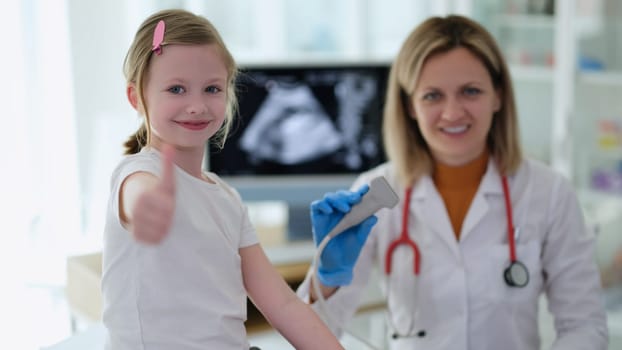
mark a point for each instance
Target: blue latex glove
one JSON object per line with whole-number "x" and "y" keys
{"x": 342, "y": 251}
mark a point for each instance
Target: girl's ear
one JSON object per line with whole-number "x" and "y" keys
{"x": 132, "y": 95}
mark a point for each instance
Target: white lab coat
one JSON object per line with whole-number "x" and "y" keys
{"x": 461, "y": 300}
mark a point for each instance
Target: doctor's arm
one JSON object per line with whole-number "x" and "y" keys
{"x": 289, "y": 315}
{"x": 344, "y": 265}
{"x": 572, "y": 279}
{"x": 344, "y": 301}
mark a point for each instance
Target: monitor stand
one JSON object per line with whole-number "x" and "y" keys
{"x": 299, "y": 223}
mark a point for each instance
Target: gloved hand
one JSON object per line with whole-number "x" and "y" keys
{"x": 342, "y": 251}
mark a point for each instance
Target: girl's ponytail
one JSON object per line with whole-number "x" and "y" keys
{"x": 136, "y": 141}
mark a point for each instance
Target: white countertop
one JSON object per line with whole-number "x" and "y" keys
{"x": 291, "y": 253}
{"x": 93, "y": 337}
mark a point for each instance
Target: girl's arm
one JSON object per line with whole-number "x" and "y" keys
{"x": 147, "y": 203}
{"x": 289, "y": 315}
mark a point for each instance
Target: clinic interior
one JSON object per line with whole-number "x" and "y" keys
{"x": 564, "y": 57}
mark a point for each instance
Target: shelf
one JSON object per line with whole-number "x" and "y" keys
{"x": 599, "y": 202}
{"x": 614, "y": 154}
{"x": 532, "y": 73}
{"x": 609, "y": 78}
{"x": 525, "y": 21}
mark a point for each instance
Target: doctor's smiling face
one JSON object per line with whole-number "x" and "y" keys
{"x": 453, "y": 105}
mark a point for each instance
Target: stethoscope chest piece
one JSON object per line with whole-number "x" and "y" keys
{"x": 516, "y": 275}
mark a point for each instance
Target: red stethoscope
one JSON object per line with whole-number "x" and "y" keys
{"x": 515, "y": 275}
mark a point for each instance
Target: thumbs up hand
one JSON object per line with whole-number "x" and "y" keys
{"x": 154, "y": 208}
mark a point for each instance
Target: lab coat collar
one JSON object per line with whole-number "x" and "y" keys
{"x": 491, "y": 182}
{"x": 428, "y": 207}
{"x": 490, "y": 186}
{"x": 428, "y": 203}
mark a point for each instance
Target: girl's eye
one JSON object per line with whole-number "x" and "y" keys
{"x": 176, "y": 89}
{"x": 213, "y": 89}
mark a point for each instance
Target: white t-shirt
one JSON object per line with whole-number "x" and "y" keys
{"x": 187, "y": 292}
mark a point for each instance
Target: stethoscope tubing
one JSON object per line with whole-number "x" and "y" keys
{"x": 510, "y": 219}
{"x": 404, "y": 239}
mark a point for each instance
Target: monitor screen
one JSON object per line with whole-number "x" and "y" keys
{"x": 305, "y": 120}
{"x": 302, "y": 131}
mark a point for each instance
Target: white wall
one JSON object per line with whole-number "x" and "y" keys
{"x": 100, "y": 35}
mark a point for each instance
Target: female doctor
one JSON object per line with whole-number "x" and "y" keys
{"x": 480, "y": 231}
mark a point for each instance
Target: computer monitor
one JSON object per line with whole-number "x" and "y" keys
{"x": 303, "y": 130}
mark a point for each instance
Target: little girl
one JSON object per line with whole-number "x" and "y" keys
{"x": 180, "y": 255}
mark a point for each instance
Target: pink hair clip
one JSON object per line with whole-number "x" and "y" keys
{"x": 158, "y": 37}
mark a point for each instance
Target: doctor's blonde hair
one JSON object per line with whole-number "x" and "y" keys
{"x": 183, "y": 28}
{"x": 403, "y": 141}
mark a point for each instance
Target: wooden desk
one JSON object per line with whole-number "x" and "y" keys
{"x": 293, "y": 273}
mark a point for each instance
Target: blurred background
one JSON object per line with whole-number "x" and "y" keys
{"x": 66, "y": 117}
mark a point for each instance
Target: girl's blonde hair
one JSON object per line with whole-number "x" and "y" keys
{"x": 403, "y": 141}
{"x": 185, "y": 28}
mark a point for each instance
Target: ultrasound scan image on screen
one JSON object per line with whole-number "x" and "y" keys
{"x": 305, "y": 120}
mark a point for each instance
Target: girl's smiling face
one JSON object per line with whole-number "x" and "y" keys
{"x": 453, "y": 104}
{"x": 186, "y": 95}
